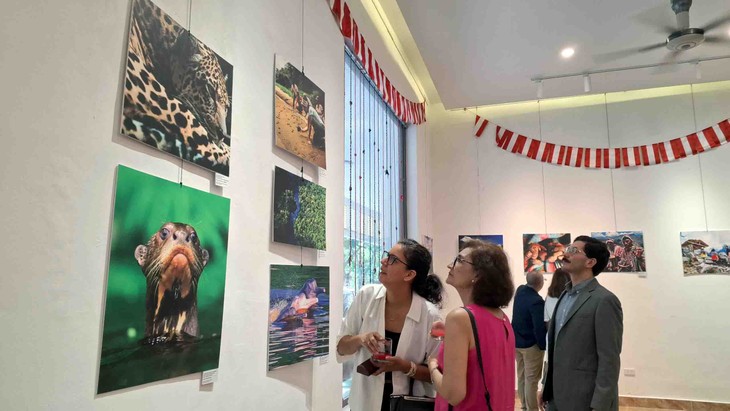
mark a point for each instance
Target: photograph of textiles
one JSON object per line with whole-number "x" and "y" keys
{"x": 626, "y": 250}
{"x": 299, "y": 113}
{"x": 299, "y": 319}
{"x": 177, "y": 91}
{"x": 705, "y": 252}
{"x": 299, "y": 211}
{"x": 165, "y": 286}
{"x": 487, "y": 238}
{"x": 544, "y": 252}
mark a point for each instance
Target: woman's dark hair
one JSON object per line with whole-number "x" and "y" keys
{"x": 595, "y": 249}
{"x": 418, "y": 258}
{"x": 557, "y": 284}
{"x": 493, "y": 287}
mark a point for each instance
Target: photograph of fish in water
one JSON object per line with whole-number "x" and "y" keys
{"x": 298, "y": 314}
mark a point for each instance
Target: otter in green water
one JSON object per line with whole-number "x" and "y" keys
{"x": 172, "y": 262}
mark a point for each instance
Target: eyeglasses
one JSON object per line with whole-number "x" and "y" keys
{"x": 392, "y": 258}
{"x": 571, "y": 249}
{"x": 460, "y": 259}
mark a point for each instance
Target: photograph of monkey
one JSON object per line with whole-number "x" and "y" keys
{"x": 167, "y": 271}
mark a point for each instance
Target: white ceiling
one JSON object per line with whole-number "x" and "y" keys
{"x": 483, "y": 52}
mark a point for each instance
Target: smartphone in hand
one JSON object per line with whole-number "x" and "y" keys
{"x": 367, "y": 367}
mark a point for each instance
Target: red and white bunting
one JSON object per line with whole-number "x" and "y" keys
{"x": 607, "y": 157}
{"x": 408, "y": 111}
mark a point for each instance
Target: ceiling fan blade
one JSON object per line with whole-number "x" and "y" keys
{"x": 716, "y": 23}
{"x": 668, "y": 63}
{"x": 652, "y": 47}
{"x": 660, "y": 18}
{"x": 615, "y": 55}
{"x": 716, "y": 39}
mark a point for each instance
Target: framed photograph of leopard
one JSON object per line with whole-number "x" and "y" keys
{"x": 177, "y": 91}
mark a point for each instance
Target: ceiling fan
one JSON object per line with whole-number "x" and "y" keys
{"x": 679, "y": 39}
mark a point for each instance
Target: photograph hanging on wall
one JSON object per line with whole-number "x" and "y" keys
{"x": 177, "y": 91}
{"x": 299, "y": 114}
{"x": 544, "y": 252}
{"x": 299, "y": 319}
{"x": 166, "y": 279}
{"x": 626, "y": 250}
{"x": 428, "y": 243}
{"x": 705, "y": 252}
{"x": 299, "y": 211}
{"x": 487, "y": 238}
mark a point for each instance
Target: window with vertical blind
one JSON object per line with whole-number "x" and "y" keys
{"x": 374, "y": 185}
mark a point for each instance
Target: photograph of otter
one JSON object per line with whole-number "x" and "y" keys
{"x": 177, "y": 91}
{"x": 626, "y": 250}
{"x": 299, "y": 114}
{"x": 299, "y": 314}
{"x": 705, "y": 252}
{"x": 544, "y": 252}
{"x": 165, "y": 286}
{"x": 299, "y": 211}
{"x": 487, "y": 238}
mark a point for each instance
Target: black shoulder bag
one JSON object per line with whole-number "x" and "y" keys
{"x": 411, "y": 403}
{"x": 479, "y": 358}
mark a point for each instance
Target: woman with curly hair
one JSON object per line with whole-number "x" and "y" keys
{"x": 481, "y": 275}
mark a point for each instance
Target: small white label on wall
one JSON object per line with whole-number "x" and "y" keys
{"x": 221, "y": 180}
{"x": 322, "y": 175}
{"x": 324, "y": 359}
{"x": 321, "y": 254}
{"x": 209, "y": 377}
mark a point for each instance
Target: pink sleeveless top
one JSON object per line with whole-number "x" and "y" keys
{"x": 498, "y": 355}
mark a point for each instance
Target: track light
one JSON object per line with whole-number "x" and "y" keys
{"x": 587, "y": 83}
{"x": 539, "y": 89}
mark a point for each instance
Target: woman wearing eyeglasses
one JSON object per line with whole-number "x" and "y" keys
{"x": 402, "y": 308}
{"x": 481, "y": 275}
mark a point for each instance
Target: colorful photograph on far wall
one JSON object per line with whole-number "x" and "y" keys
{"x": 626, "y": 250}
{"x": 299, "y": 211}
{"x": 544, "y": 252}
{"x": 165, "y": 286}
{"x": 487, "y": 238}
{"x": 299, "y": 314}
{"x": 177, "y": 91}
{"x": 705, "y": 252}
{"x": 299, "y": 114}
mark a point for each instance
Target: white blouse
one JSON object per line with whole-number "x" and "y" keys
{"x": 366, "y": 314}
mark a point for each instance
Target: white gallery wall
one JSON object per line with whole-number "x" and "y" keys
{"x": 675, "y": 328}
{"x": 62, "y": 68}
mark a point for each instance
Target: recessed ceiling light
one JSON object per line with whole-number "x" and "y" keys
{"x": 567, "y": 52}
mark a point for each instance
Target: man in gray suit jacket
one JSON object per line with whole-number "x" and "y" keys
{"x": 584, "y": 336}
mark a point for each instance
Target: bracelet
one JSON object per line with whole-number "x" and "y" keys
{"x": 412, "y": 372}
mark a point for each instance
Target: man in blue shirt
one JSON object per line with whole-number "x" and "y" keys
{"x": 529, "y": 326}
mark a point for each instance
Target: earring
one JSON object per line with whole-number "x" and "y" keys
{"x": 473, "y": 281}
